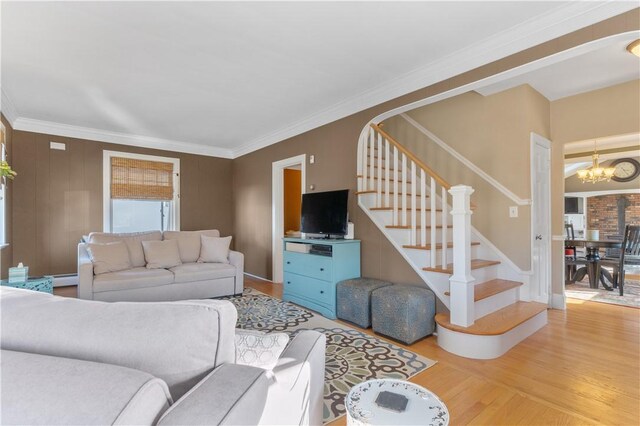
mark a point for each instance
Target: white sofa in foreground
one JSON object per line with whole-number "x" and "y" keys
{"x": 188, "y": 280}
{"x": 80, "y": 362}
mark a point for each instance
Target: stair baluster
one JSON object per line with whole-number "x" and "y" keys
{"x": 413, "y": 204}
{"x": 379, "y": 175}
{"x": 387, "y": 165}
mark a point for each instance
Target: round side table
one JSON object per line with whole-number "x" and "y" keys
{"x": 423, "y": 406}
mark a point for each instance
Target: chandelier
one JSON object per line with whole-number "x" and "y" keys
{"x": 596, "y": 173}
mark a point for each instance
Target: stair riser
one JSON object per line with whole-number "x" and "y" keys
{"x": 386, "y": 216}
{"x": 423, "y": 257}
{"x": 496, "y": 302}
{"x": 488, "y": 347}
{"x": 403, "y": 236}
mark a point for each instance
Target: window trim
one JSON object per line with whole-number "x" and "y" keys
{"x": 106, "y": 185}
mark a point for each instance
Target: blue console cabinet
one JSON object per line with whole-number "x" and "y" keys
{"x": 310, "y": 279}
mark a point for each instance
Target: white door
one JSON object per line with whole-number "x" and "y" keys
{"x": 540, "y": 219}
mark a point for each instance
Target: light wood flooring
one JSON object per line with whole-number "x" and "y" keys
{"x": 582, "y": 368}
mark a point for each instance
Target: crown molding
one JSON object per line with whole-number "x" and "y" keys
{"x": 555, "y": 23}
{"x": 7, "y": 108}
{"x": 57, "y": 129}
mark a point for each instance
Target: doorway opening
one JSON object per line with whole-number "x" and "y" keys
{"x": 288, "y": 185}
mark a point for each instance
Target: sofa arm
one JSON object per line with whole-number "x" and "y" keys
{"x": 237, "y": 259}
{"x": 85, "y": 273}
{"x": 296, "y": 391}
{"x": 231, "y": 394}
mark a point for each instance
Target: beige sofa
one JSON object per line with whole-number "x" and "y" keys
{"x": 190, "y": 280}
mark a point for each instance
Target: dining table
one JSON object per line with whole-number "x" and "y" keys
{"x": 592, "y": 268}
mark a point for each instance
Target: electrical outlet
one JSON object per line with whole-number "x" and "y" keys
{"x": 513, "y": 211}
{"x": 312, "y": 159}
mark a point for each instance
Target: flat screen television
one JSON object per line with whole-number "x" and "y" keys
{"x": 325, "y": 213}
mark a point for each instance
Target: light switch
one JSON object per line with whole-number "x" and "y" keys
{"x": 312, "y": 159}
{"x": 513, "y": 211}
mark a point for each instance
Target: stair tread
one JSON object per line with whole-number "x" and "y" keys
{"x": 498, "y": 322}
{"x": 375, "y": 191}
{"x": 493, "y": 287}
{"x": 475, "y": 264}
{"x": 383, "y": 178}
{"x": 438, "y": 246}
{"x": 399, "y": 208}
{"x": 409, "y": 226}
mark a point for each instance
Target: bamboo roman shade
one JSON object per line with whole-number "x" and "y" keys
{"x": 133, "y": 179}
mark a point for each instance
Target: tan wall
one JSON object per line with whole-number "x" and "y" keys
{"x": 606, "y": 112}
{"x": 494, "y": 133}
{"x": 292, "y": 199}
{"x": 6, "y": 253}
{"x": 58, "y": 197}
{"x": 334, "y": 146}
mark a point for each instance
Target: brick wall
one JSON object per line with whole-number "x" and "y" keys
{"x": 602, "y": 213}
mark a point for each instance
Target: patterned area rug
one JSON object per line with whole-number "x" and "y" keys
{"x": 351, "y": 355}
{"x": 580, "y": 290}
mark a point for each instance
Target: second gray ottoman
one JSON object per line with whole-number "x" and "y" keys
{"x": 354, "y": 299}
{"x": 403, "y": 312}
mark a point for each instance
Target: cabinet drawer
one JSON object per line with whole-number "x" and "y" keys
{"x": 310, "y": 288}
{"x": 309, "y": 265}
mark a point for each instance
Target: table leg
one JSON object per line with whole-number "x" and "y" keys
{"x": 605, "y": 274}
{"x": 594, "y": 274}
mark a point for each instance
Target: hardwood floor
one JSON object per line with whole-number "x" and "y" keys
{"x": 582, "y": 368}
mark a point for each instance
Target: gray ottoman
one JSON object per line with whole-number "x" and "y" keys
{"x": 404, "y": 313}
{"x": 354, "y": 299}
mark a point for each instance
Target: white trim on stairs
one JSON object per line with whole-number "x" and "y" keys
{"x": 464, "y": 160}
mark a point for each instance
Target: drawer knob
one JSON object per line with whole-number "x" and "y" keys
{"x": 322, "y": 269}
{"x": 321, "y": 291}
{"x": 288, "y": 263}
{"x": 288, "y": 282}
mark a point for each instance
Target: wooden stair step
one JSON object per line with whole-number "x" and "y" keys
{"x": 498, "y": 322}
{"x": 383, "y": 178}
{"x": 417, "y": 227}
{"x": 493, "y": 287}
{"x": 438, "y": 246}
{"x": 475, "y": 264}
{"x": 400, "y": 209}
{"x": 375, "y": 191}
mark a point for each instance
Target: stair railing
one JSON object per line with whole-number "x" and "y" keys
{"x": 382, "y": 161}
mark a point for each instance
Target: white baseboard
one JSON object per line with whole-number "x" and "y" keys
{"x": 258, "y": 278}
{"x": 65, "y": 280}
{"x": 558, "y": 301}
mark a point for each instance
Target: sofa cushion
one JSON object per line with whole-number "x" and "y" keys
{"x": 189, "y": 242}
{"x": 132, "y": 240}
{"x": 214, "y": 249}
{"x": 189, "y": 272}
{"x": 131, "y": 278}
{"x": 161, "y": 254}
{"x": 178, "y": 342}
{"x": 40, "y": 389}
{"x": 109, "y": 257}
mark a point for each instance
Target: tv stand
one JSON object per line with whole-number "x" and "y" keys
{"x": 310, "y": 279}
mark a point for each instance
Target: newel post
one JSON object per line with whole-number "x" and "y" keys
{"x": 461, "y": 283}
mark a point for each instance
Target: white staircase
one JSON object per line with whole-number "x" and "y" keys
{"x": 429, "y": 223}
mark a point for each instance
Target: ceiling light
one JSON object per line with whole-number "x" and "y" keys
{"x": 634, "y": 48}
{"x": 596, "y": 173}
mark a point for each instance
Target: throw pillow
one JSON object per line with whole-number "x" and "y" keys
{"x": 110, "y": 257}
{"x": 259, "y": 349}
{"x": 161, "y": 254}
{"x": 214, "y": 249}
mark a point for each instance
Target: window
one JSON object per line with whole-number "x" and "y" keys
{"x": 141, "y": 192}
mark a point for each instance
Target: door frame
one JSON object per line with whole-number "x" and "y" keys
{"x": 541, "y": 290}
{"x": 277, "y": 209}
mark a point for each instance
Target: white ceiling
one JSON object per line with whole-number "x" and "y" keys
{"x": 604, "y": 67}
{"x": 223, "y": 78}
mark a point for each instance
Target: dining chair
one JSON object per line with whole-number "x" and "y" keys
{"x": 629, "y": 255}
{"x": 571, "y": 259}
